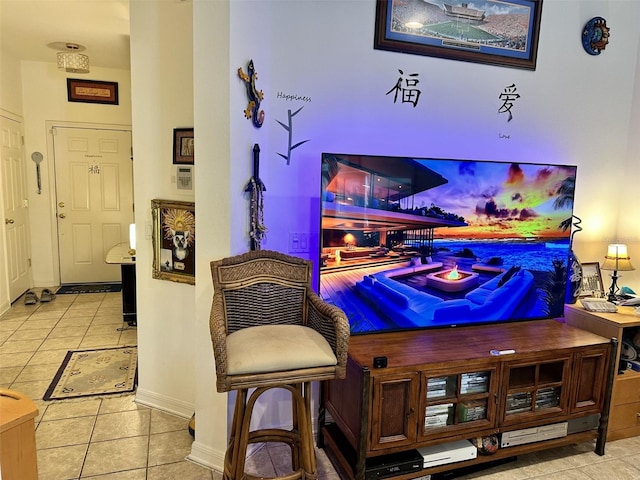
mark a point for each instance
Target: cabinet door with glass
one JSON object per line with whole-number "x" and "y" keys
{"x": 454, "y": 401}
{"x": 534, "y": 390}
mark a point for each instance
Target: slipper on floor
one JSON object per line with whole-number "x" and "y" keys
{"x": 46, "y": 295}
{"x": 30, "y": 298}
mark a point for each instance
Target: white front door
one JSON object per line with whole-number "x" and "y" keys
{"x": 94, "y": 192}
{"x": 16, "y": 207}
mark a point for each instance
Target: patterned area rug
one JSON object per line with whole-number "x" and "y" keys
{"x": 102, "y": 371}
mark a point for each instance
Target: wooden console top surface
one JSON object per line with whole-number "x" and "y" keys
{"x": 459, "y": 344}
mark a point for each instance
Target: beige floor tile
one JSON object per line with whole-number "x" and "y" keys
{"x": 104, "y": 329}
{"x": 14, "y": 315}
{"x": 48, "y": 356}
{"x": 32, "y": 323}
{"x": 15, "y": 359}
{"x": 4, "y": 336}
{"x": 9, "y": 374}
{"x": 60, "y": 433}
{"x": 137, "y": 474}
{"x": 110, "y": 319}
{"x": 69, "y": 343}
{"x": 121, "y": 425}
{"x": 68, "y": 331}
{"x": 611, "y": 469}
{"x": 81, "y": 321}
{"x": 116, "y": 455}
{"x": 129, "y": 337}
{"x": 169, "y": 447}
{"x": 181, "y": 470}
{"x": 120, "y": 404}
{"x": 17, "y": 346}
{"x": 259, "y": 463}
{"x": 93, "y": 341}
{"x": 61, "y": 463}
{"x": 71, "y": 409}
{"x": 84, "y": 313}
{"x": 11, "y": 325}
{"x": 162, "y": 422}
{"x": 30, "y": 334}
{"x": 31, "y": 373}
{"x": 46, "y": 315}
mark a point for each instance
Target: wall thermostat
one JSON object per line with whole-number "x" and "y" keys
{"x": 184, "y": 178}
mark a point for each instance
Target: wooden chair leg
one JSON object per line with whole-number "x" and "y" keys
{"x": 231, "y": 455}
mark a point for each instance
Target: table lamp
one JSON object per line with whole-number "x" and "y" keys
{"x": 617, "y": 259}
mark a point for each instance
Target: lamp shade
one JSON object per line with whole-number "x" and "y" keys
{"x": 73, "y": 62}
{"x": 617, "y": 258}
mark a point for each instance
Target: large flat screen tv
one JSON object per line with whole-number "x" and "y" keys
{"x": 411, "y": 243}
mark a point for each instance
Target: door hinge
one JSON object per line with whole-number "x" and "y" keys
{"x": 29, "y": 262}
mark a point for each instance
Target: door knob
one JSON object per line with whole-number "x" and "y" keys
{"x": 61, "y": 204}
{"x": 62, "y": 215}
{"x": 8, "y": 220}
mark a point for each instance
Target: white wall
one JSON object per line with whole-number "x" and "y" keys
{"x": 575, "y": 108}
{"x": 10, "y": 83}
{"x": 162, "y": 86}
{"x": 45, "y": 99}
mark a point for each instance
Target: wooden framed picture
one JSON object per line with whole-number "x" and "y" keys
{"x": 183, "y": 146}
{"x": 92, "y": 91}
{"x": 591, "y": 280}
{"x": 174, "y": 240}
{"x": 503, "y": 33}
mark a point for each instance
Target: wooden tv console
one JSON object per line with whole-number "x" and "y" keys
{"x": 444, "y": 385}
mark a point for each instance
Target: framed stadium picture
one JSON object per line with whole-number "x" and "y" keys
{"x": 502, "y": 33}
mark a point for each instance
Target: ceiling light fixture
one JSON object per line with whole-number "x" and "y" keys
{"x": 72, "y": 61}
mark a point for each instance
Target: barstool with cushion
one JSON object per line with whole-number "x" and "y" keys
{"x": 270, "y": 330}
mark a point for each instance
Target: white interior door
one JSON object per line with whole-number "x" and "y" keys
{"x": 16, "y": 207}
{"x": 94, "y": 192}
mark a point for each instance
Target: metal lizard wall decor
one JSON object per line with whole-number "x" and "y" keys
{"x": 254, "y": 95}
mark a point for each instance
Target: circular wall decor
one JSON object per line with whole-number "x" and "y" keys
{"x": 595, "y": 36}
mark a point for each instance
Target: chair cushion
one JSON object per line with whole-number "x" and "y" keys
{"x": 275, "y": 348}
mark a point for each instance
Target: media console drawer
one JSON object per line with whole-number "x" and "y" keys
{"x": 627, "y": 389}
{"x": 625, "y": 416}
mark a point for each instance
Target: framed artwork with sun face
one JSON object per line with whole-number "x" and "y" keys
{"x": 174, "y": 240}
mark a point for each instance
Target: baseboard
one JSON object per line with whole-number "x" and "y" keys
{"x": 206, "y": 456}
{"x": 164, "y": 403}
{"x": 4, "y": 307}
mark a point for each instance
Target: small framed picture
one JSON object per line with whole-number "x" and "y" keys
{"x": 591, "y": 280}
{"x": 174, "y": 240}
{"x": 183, "y": 153}
{"x": 92, "y": 91}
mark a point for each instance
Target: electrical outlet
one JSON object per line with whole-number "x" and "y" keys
{"x": 298, "y": 242}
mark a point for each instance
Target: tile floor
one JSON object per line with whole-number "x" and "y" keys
{"x": 115, "y": 439}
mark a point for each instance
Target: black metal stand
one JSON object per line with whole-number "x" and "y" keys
{"x": 613, "y": 290}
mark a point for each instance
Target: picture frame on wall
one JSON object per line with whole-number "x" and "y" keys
{"x": 174, "y": 240}
{"x": 92, "y": 91}
{"x": 592, "y": 285}
{"x": 502, "y": 33}
{"x": 183, "y": 146}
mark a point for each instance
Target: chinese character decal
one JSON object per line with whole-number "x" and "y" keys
{"x": 508, "y": 96}
{"x": 409, "y": 93}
